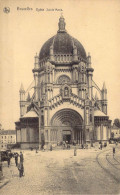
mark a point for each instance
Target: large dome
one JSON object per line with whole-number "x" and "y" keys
{"x": 62, "y": 43}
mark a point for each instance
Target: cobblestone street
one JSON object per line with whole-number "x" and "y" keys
{"x": 60, "y": 172}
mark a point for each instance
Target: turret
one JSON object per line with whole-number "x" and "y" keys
{"x": 104, "y": 92}
{"x": 28, "y": 97}
{"x": 22, "y": 100}
{"x": 89, "y": 60}
{"x": 22, "y": 93}
{"x": 61, "y": 24}
{"x": 104, "y": 98}
{"x": 35, "y": 71}
{"x": 36, "y": 63}
{"x": 96, "y": 96}
{"x": 89, "y": 75}
{"x": 51, "y": 53}
{"x": 75, "y": 56}
{"x": 82, "y": 80}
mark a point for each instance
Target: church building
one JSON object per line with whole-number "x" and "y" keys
{"x": 63, "y": 106}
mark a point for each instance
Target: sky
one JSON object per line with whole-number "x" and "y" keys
{"x": 96, "y": 24}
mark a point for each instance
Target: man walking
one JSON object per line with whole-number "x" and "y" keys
{"x": 21, "y": 169}
{"x": 8, "y": 160}
{"x": 20, "y": 166}
{"x": 16, "y": 159}
{"x": 113, "y": 151}
{"x": 21, "y": 157}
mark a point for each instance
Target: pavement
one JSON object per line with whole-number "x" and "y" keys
{"x": 60, "y": 172}
{"x": 3, "y": 182}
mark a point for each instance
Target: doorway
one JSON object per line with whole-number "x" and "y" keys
{"x": 67, "y": 138}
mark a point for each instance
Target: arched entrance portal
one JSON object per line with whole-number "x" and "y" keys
{"x": 67, "y": 125}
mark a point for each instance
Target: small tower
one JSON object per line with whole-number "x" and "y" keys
{"x": 22, "y": 100}
{"x": 61, "y": 24}
{"x": 82, "y": 80}
{"x": 89, "y": 76}
{"x": 28, "y": 97}
{"x": 96, "y": 96}
{"x": 36, "y": 76}
{"x": 104, "y": 98}
{"x": 51, "y": 54}
{"x": 75, "y": 56}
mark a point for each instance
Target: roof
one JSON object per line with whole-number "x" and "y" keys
{"x": 30, "y": 114}
{"x": 7, "y": 132}
{"x": 99, "y": 113}
{"x": 62, "y": 43}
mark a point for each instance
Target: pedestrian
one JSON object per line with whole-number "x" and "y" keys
{"x": 8, "y": 160}
{"x": 66, "y": 144}
{"x": 101, "y": 146}
{"x": 16, "y": 159}
{"x": 75, "y": 151}
{"x": 50, "y": 147}
{"x": 21, "y": 169}
{"x": 36, "y": 150}
{"x": 63, "y": 145}
{"x": 21, "y": 157}
{"x": 113, "y": 151}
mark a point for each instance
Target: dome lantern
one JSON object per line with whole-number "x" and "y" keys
{"x": 61, "y": 24}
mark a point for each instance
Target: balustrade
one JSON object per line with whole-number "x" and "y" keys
{"x": 63, "y": 58}
{"x": 58, "y": 100}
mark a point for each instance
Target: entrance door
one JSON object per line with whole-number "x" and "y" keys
{"x": 67, "y": 136}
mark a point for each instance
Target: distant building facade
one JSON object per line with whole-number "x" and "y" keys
{"x": 63, "y": 106}
{"x": 115, "y": 132}
{"x": 8, "y": 137}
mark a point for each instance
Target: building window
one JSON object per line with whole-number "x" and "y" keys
{"x": 63, "y": 79}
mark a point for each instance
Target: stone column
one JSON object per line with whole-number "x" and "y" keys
{"x": 98, "y": 133}
{"x": 104, "y": 133}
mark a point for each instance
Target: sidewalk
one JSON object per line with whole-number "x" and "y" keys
{"x": 3, "y": 182}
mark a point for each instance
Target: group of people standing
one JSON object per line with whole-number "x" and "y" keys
{"x": 19, "y": 163}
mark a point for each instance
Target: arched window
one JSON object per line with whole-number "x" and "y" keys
{"x": 63, "y": 79}
{"x": 66, "y": 91}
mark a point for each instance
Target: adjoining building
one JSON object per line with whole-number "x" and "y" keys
{"x": 7, "y": 137}
{"x": 115, "y": 132}
{"x": 63, "y": 106}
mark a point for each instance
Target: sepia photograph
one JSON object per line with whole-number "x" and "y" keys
{"x": 59, "y": 97}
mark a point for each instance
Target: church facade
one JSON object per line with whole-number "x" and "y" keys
{"x": 63, "y": 106}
